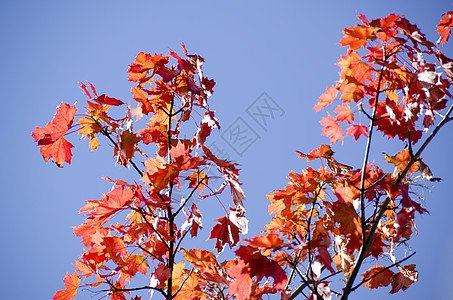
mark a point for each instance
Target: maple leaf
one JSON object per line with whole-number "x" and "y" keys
{"x": 161, "y": 274}
{"x": 446, "y": 63}
{"x": 376, "y": 277}
{"x": 406, "y": 201}
{"x": 354, "y": 72}
{"x": 401, "y": 160}
{"x": 241, "y": 287}
{"x": 135, "y": 263}
{"x": 208, "y": 123}
{"x": 271, "y": 241}
{"x": 71, "y": 282}
{"x": 357, "y": 37}
{"x": 127, "y": 142}
{"x": 227, "y": 229}
{"x": 105, "y": 100}
{"x": 85, "y": 267}
{"x": 281, "y": 200}
{"x": 444, "y": 26}
{"x": 89, "y": 127}
{"x": 190, "y": 289}
{"x": 326, "y": 98}
{"x": 404, "y": 278}
{"x": 331, "y": 129}
{"x": 86, "y": 91}
{"x": 343, "y": 259}
{"x": 345, "y": 214}
{"x": 323, "y": 151}
{"x": 51, "y": 142}
{"x": 142, "y": 64}
{"x": 403, "y": 223}
{"x": 199, "y": 179}
{"x": 357, "y": 131}
{"x": 207, "y": 263}
{"x": 118, "y": 199}
{"x": 193, "y": 221}
{"x": 344, "y": 113}
{"x": 413, "y": 33}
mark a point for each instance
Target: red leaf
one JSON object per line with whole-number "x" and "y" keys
{"x": 357, "y": 130}
{"x": 404, "y": 279}
{"x": 331, "y": 129}
{"x": 71, "y": 282}
{"x": 227, "y": 230}
{"x": 406, "y": 201}
{"x": 51, "y": 142}
{"x": 193, "y": 220}
{"x": 384, "y": 278}
{"x": 103, "y": 99}
{"x": 444, "y": 26}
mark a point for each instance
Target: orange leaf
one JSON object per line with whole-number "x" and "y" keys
{"x": 324, "y": 151}
{"x": 190, "y": 290}
{"x": 357, "y": 37}
{"x": 51, "y": 142}
{"x": 135, "y": 263}
{"x": 112, "y": 202}
{"x": 326, "y": 98}
{"x": 266, "y": 242}
{"x": 71, "y": 282}
{"x": 344, "y": 113}
{"x": 331, "y": 129}
{"x": 400, "y": 161}
{"x": 241, "y": 287}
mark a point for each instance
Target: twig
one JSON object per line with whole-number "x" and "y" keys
{"x": 383, "y": 270}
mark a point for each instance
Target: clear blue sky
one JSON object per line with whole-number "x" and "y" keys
{"x": 287, "y": 49}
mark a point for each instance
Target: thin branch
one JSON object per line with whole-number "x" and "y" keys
{"x": 364, "y": 247}
{"x": 154, "y": 229}
{"x": 146, "y": 287}
{"x": 105, "y": 133}
{"x": 183, "y": 236}
{"x": 188, "y": 197}
{"x": 300, "y": 288}
{"x": 149, "y": 253}
{"x": 383, "y": 270}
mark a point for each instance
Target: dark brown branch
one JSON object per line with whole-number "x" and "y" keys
{"x": 369, "y": 240}
{"x": 105, "y": 133}
{"x": 364, "y": 247}
{"x": 154, "y": 229}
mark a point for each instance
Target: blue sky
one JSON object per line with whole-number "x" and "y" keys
{"x": 285, "y": 49}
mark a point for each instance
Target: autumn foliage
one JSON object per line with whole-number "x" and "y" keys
{"x": 326, "y": 221}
